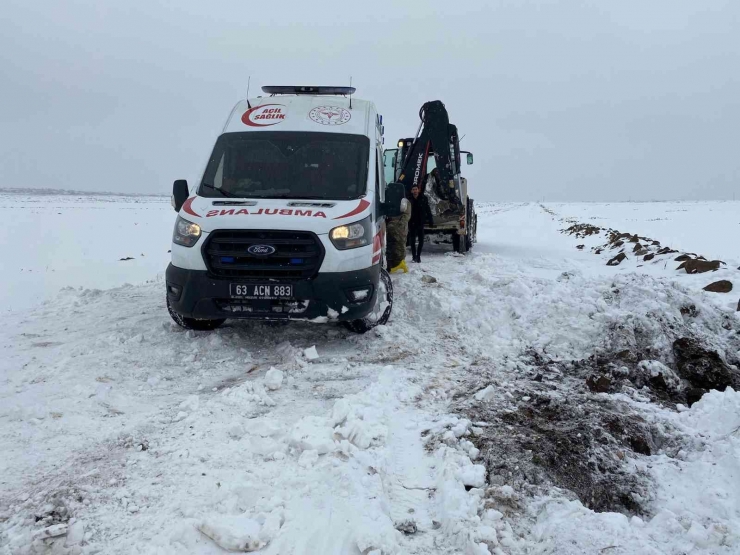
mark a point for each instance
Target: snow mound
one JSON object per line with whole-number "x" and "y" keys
{"x": 311, "y": 353}
{"x": 312, "y": 433}
{"x": 190, "y": 404}
{"x": 233, "y": 533}
{"x": 273, "y": 379}
{"x": 248, "y": 392}
{"x": 361, "y": 425}
{"x": 486, "y": 394}
{"x": 717, "y": 414}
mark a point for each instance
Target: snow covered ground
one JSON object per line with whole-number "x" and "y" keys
{"x": 712, "y": 228}
{"x": 464, "y": 426}
{"x": 51, "y": 241}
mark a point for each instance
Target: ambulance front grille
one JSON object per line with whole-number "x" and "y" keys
{"x": 298, "y": 254}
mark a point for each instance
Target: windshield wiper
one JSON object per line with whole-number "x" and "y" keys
{"x": 223, "y": 193}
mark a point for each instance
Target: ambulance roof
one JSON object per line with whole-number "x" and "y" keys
{"x": 303, "y": 113}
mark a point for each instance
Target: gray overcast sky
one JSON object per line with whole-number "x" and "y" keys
{"x": 562, "y": 100}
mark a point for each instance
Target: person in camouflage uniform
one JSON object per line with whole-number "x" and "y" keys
{"x": 397, "y": 230}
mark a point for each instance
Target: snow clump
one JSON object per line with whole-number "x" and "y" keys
{"x": 273, "y": 379}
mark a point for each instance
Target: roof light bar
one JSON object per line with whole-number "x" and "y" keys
{"x": 280, "y": 89}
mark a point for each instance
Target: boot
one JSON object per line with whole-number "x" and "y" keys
{"x": 400, "y": 268}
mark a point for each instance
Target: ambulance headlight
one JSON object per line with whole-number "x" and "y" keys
{"x": 352, "y": 236}
{"x": 186, "y": 233}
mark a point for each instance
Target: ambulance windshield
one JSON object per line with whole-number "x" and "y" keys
{"x": 287, "y": 164}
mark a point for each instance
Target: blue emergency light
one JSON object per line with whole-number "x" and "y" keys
{"x": 290, "y": 89}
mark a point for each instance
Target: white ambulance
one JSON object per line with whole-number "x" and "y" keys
{"x": 288, "y": 220}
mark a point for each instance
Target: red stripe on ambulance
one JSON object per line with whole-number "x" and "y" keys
{"x": 266, "y": 212}
{"x": 187, "y": 207}
{"x": 360, "y": 207}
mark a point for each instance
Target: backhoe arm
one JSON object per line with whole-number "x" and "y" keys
{"x": 438, "y": 137}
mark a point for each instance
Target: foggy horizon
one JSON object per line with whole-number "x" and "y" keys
{"x": 596, "y": 102}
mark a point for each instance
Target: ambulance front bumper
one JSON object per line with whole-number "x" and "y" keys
{"x": 337, "y": 296}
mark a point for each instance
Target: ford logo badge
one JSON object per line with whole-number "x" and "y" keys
{"x": 261, "y": 250}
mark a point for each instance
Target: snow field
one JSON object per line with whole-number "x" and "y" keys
{"x": 55, "y": 241}
{"x": 709, "y": 228}
{"x": 121, "y": 433}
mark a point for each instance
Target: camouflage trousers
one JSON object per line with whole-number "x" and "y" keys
{"x": 396, "y": 230}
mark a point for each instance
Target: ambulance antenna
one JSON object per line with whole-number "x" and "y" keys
{"x": 350, "y": 92}
{"x": 248, "y": 82}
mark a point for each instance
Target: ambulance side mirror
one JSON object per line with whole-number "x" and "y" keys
{"x": 394, "y": 194}
{"x": 180, "y": 194}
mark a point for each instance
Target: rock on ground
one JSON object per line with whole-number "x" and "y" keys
{"x": 721, "y": 286}
{"x": 701, "y": 367}
{"x": 617, "y": 260}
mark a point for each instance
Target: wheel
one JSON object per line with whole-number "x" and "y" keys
{"x": 381, "y": 311}
{"x": 470, "y": 228}
{"x": 193, "y": 323}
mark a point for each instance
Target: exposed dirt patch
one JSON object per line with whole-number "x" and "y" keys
{"x": 582, "y": 230}
{"x": 574, "y": 424}
{"x": 560, "y": 429}
{"x": 701, "y": 367}
{"x": 581, "y": 442}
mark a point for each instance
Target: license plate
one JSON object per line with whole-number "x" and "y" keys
{"x": 261, "y": 291}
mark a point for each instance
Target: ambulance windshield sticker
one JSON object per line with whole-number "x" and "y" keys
{"x": 265, "y": 115}
{"x": 330, "y": 115}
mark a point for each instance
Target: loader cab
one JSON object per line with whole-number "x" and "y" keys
{"x": 393, "y": 159}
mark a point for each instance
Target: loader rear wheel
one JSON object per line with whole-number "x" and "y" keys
{"x": 471, "y": 225}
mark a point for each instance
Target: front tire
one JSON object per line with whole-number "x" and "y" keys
{"x": 381, "y": 312}
{"x": 193, "y": 323}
